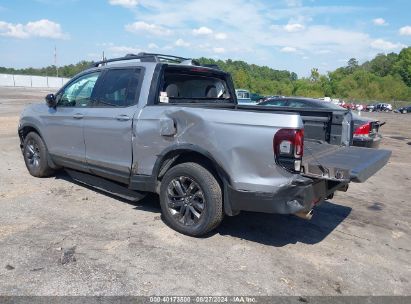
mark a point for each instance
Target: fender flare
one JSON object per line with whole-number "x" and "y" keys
{"x": 30, "y": 125}
{"x": 178, "y": 149}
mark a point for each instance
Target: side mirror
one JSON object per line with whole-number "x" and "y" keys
{"x": 51, "y": 100}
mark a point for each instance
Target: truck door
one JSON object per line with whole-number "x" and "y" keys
{"x": 64, "y": 124}
{"x": 108, "y": 126}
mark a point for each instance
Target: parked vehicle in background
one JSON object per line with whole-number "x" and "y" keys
{"x": 326, "y": 99}
{"x": 370, "y": 107}
{"x": 255, "y": 97}
{"x": 365, "y": 132}
{"x": 165, "y": 124}
{"x": 404, "y": 110}
{"x": 383, "y": 107}
{"x": 359, "y": 107}
{"x": 349, "y": 106}
{"x": 270, "y": 97}
{"x": 275, "y": 96}
{"x": 244, "y": 96}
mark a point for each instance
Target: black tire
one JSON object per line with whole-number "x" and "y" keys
{"x": 36, "y": 155}
{"x": 203, "y": 203}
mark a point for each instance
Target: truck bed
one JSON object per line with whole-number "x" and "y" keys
{"x": 327, "y": 125}
{"x": 327, "y": 151}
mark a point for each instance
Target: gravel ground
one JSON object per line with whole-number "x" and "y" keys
{"x": 58, "y": 237}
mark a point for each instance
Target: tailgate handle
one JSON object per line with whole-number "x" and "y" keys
{"x": 122, "y": 117}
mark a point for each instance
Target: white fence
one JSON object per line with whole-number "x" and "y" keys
{"x": 8, "y": 80}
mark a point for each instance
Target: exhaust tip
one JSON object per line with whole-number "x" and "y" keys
{"x": 305, "y": 215}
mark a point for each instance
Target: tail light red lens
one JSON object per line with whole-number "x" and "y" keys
{"x": 299, "y": 143}
{"x": 289, "y": 143}
{"x": 363, "y": 129}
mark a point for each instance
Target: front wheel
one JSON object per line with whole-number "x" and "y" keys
{"x": 404, "y": 111}
{"x": 191, "y": 199}
{"x": 36, "y": 155}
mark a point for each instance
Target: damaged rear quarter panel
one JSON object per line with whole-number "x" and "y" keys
{"x": 242, "y": 144}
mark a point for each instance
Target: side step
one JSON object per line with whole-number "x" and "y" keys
{"x": 105, "y": 185}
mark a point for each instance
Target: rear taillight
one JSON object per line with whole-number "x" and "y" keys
{"x": 289, "y": 142}
{"x": 363, "y": 129}
{"x": 288, "y": 146}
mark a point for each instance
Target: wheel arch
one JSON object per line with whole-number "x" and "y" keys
{"x": 26, "y": 129}
{"x": 185, "y": 153}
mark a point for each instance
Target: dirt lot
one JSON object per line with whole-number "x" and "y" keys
{"x": 60, "y": 238}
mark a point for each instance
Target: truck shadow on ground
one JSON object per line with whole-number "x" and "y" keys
{"x": 279, "y": 230}
{"x": 268, "y": 229}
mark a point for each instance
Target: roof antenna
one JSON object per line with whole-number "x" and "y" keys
{"x": 104, "y": 59}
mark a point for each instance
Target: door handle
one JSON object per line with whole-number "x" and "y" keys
{"x": 78, "y": 116}
{"x": 122, "y": 117}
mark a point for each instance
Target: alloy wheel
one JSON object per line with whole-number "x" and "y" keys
{"x": 185, "y": 200}
{"x": 33, "y": 154}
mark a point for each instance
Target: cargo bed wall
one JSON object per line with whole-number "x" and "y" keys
{"x": 331, "y": 126}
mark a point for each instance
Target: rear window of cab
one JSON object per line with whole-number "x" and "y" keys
{"x": 194, "y": 85}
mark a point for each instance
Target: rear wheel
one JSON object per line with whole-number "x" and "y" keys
{"x": 191, "y": 199}
{"x": 36, "y": 155}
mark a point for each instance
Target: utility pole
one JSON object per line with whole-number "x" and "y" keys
{"x": 55, "y": 61}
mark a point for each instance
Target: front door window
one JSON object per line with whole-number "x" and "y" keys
{"x": 79, "y": 92}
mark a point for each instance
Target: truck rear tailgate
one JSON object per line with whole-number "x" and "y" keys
{"x": 356, "y": 164}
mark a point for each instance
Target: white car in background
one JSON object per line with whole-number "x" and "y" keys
{"x": 383, "y": 107}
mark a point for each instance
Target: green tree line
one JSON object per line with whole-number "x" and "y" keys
{"x": 387, "y": 77}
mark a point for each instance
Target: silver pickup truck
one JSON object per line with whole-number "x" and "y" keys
{"x": 164, "y": 124}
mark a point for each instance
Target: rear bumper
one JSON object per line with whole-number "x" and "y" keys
{"x": 367, "y": 141}
{"x": 299, "y": 196}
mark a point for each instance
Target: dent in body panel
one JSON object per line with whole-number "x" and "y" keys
{"x": 240, "y": 142}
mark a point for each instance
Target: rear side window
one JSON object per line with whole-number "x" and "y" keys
{"x": 119, "y": 88}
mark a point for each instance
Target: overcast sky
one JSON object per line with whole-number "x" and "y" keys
{"x": 286, "y": 34}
